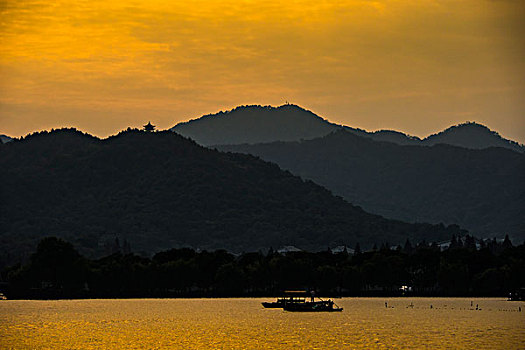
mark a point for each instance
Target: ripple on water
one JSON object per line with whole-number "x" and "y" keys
{"x": 243, "y": 323}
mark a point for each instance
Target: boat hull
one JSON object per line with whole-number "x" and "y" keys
{"x": 274, "y": 305}
{"x": 313, "y": 307}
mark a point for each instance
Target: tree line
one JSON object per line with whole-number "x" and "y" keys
{"x": 57, "y": 270}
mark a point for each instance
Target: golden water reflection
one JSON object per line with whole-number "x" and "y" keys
{"x": 243, "y": 323}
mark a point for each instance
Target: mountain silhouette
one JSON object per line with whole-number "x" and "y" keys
{"x": 158, "y": 190}
{"x": 255, "y": 124}
{"x": 263, "y": 124}
{"x": 481, "y": 190}
{"x": 471, "y": 135}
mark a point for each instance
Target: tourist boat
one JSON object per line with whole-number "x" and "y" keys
{"x": 290, "y": 297}
{"x": 297, "y": 301}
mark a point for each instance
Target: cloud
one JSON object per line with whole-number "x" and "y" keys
{"x": 178, "y": 59}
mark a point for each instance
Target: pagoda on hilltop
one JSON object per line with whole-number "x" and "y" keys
{"x": 149, "y": 127}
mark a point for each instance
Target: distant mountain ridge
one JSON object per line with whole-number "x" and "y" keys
{"x": 262, "y": 124}
{"x": 158, "y": 190}
{"x": 481, "y": 190}
{"x": 255, "y": 124}
{"x": 472, "y": 135}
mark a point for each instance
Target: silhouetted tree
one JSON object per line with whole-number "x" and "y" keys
{"x": 453, "y": 242}
{"x": 408, "y": 247}
{"x": 507, "y": 243}
{"x": 56, "y": 264}
{"x": 482, "y": 244}
{"x": 422, "y": 245}
{"x": 470, "y": 243}
{"x": 116, "y": 246}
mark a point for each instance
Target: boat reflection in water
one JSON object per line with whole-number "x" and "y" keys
{"x": 297, "y": 301}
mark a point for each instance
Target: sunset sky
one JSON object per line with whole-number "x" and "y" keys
{"x": 416, "y": 66}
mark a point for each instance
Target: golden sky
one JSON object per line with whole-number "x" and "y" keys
{"x": 416, "y": 66}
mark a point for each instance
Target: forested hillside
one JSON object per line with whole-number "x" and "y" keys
{"x": 159, "y": 190}
{"x": 481, "y": 190}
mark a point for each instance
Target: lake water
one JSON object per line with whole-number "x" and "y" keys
{"x": 244, "y": 324}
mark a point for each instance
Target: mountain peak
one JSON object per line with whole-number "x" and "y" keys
{"x": 256, "y": 124}
{"x": 472, "y": 135}
{"x": 468, "y": 127}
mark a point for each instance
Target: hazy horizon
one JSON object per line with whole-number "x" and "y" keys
{"x": 415, "y": 67}
{"x": 422, "y": 137}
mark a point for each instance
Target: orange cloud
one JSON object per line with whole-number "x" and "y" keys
{"x": 409, "y": 65}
